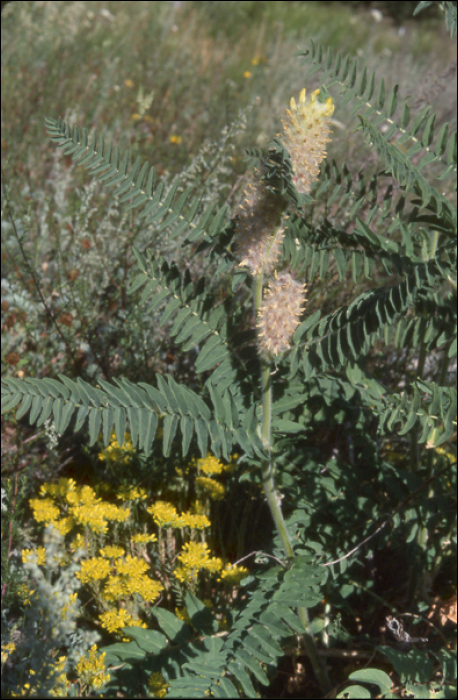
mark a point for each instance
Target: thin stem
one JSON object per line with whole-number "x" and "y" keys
{"x": 273, "y": 499}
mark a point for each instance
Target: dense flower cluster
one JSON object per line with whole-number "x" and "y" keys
{"x": 279, "y": 315}
{"x": 194, "y": 557}
{"x": 116, "y": 453}
{"x": 164, "y": 514}
{"x": 81, "y": 507}
{"x": 157, "y": 685}
{"x": 210, "y": 487}
{"x": 91, "y": 669}
{"x": 259, "y": 233}
{"x": 306, "y": 135}
{"x": 232, "y": 575}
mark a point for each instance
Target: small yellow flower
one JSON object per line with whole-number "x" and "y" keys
{"x": 212, "y": 488}
{"x": 93, "y": 569}
{"x": 210, "y": 465}
{"x": 39, "y": 552}
{"x": 232, "y": 576}
{"x": 111, "y": 551}
{"x": 175, "y": 139}
{"x": 194, "y": 554}
{"x": 247, "y": 74}
{"x": 115, "y": 620}
{"x": 143, "y": 539}
{"x": 129, "y": 83}
{"x": 44, "y": 510}
{"x": 132, "y": 493}
{"x": 158, "y": 685}
{"x": 194, "y": 521}
{"x": 91, "y": 669}
{"x": 164, "y": 514}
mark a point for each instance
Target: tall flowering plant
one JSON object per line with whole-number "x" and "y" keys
{"x": 255, "y": 377}
{"x": 280, "y": 304}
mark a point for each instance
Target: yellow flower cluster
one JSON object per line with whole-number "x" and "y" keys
{"x": 82, "y": 506}
{"x": 306, "y": 135}
{"x": 213, "y": 489}
{"x": 55, "y": 672}
{"x": 210, "y": 465}
{"x": 39, "y": 552}
{"x": 166, "y": 515}
{"x": 194, "y": 557}
{"x": 158, "y": 685}
{"x": 143, "y": 539}
{"x": 116, "y": 453}
{"x": 111, "y": 552}
{"x": 132, "y": 493}
{"x": 91, "y": 669}
{"x": 232, "y": 576}
{"x": 114, "y": 620}
{"x": 126, "y": 577}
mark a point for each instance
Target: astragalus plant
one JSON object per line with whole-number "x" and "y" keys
{"x": 276, "y": 382}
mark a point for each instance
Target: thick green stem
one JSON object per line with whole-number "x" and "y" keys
{"x": 273, "y": 499}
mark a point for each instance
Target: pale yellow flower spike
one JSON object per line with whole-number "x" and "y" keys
{"x": 306, "y": 135}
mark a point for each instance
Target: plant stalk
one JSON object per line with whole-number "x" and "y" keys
{"x": 273, "y": 499}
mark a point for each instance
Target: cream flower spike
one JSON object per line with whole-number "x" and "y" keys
{"x": 279, "y": 316}
{"x": 306, "y": 135}
{"x": 259, "y": 235}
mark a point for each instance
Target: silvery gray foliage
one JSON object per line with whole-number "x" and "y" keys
{"x": 50, "y": 621}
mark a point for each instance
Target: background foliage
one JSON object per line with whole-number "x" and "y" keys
{"x": 364, "y": 406}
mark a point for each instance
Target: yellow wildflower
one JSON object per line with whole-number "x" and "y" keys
{"x": 91, "y": 669}
{"x": 111, "y": 551}
{"x": 115, "y": 620}
{"x": 233, "y": 575}
{"x": 93, "y": 569}
{"x": 44, "y": 510}
{"x": 143, "y": 539}
{"x": 196, "y": 522}
{"x": 212, "y": 488}
{"x": 40, "y": 553}
{"x": 132, "y": 493}
{"x": 210, "y": 465}
{"x": 157, "y": 685}
{"x": 164, "y": 514}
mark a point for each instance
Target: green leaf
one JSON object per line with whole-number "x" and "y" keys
{"x": 176, "y": 630}
{"x": 170, "y": 427}
{"x": 281, "y": 425}
{"x": 151, "y": 641}
{"x": 201, "y": 616}
{"x": 373, "y": 676}
{"x": 354, "y": 691}
{"x": 213, "y": 352}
